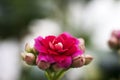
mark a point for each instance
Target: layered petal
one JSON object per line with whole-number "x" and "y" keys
{"x": 64, "y": 61}
{"x": 45, "y": 42}
{"x": 38, "y": 44}
{"x": 45, "y": 58}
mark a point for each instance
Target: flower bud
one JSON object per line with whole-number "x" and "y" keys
{"x": 29, "y": 58}
{"x": 88, "y": 59}
{"x": 78, "y": 61}
{"x": 28, "y": 48}
{"x": 43, "y": 65}
{"x": 116, "y": 33}
{"x": 82, "y": 44}
{"x": 113, "y": 42}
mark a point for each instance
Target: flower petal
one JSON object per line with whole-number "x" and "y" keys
{"x": 46, "y": 58}
{"x": 52, "y": 53}
{"x": 37, "y": 43}
{"x": 65, "y": 62}
{"x": 46, "y": 41}
{"x": 72, "y": 50}
{"x": 70, "y": 42}
{"x": 79, "y": 52}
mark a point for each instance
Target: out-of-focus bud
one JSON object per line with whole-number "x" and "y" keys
{"x": 88, "y": 59}
{"x": 78, "y": 61}
{"x": 43, "y": 65}
{"x": 29, "y": 58}
{"x": 28, "y": 48}
{"x": 116, "y": 33}
{"x": 82, "y": 44}
{"x": 56, "y": 67}
{"x": 113, "y": 42}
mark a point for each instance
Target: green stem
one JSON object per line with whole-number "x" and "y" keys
{"x": 54, "y": 76}
{"x": 51, "y": 75}
{"x": 60, "y": 74}
{"x": 48, "y": 75}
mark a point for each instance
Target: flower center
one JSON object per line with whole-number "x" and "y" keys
{"x": 57, "y": 46}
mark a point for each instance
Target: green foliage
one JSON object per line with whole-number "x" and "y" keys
{"x": 15, "y": 16}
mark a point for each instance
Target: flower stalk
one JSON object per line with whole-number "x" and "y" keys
{"x": 53, "y": 75}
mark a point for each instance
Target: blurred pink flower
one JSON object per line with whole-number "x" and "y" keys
{"x": 116, "y": 33}
{"x": 114, "y": 41}
{"x": 58, "y": 50}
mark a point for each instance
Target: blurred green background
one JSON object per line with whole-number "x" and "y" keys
{"x": 23, "y": 20}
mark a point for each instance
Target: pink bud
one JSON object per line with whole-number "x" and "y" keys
{"x": 88, "y": 59}
{"x": 82, "y": 44}
{"x": 43, "y": 65}
{"x": 113, "y": 42}
{"x": 116, "y": 33}
{"x": 29, "y": 58}
{"x": 78, "y": 61}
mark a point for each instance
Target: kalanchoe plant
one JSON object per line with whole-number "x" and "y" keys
{"x": 56, "y": 54}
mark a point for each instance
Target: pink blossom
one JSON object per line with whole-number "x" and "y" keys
{"x": 58, "y": 50}
{"x": 114, "y": 41}
{"x": 116, "y": 33}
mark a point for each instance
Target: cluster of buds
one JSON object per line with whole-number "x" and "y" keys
{"x": 30, "y": 56}
{"x": 81, "y": 60}
{"x": 114, "y": 41}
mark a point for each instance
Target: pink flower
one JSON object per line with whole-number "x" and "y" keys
{"x": 58, "y": 50}
{"x": 116, "y": 33}
{"x": 114, "y": 41}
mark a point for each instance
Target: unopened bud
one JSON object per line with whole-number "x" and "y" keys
{"x": 43, "y": 65}
{"x": 82, "y": 44}
{"x": 28, "y": 48}
{"x": 29, "y": 58}
{"x": 78, "y": 61}
{"x": 113, "y": 42}
{"x": 88, "y": 59}
{"x": 116, "y": 33}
